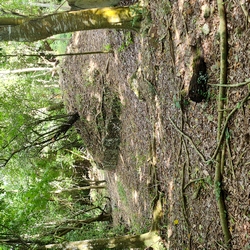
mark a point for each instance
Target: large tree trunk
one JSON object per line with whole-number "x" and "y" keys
{"x": 150, "y": 239}
{"x": 40, "y": 28}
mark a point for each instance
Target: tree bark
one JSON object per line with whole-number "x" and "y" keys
{"x": 73, "y": 225}
{"x": 150, "y": 239}
{"x": 77, "y": 189}
{"x": 30, "y": 30}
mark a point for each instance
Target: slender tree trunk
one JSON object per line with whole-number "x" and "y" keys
{"x": 50, "y": 5}
{"x": 6, "y": 21}
{"x": 40, "y": 28}
{"x": 77, "y": 189}
{"x": 77, "y": 224}
{"x": 18, "y": 71}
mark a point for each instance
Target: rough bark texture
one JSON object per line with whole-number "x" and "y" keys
{"x": 148, "y": 72}
{"x": 39, "y": 28}
{"x": 122, "y": 242}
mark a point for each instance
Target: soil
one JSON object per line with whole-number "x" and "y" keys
{"x": 165, "y": 140}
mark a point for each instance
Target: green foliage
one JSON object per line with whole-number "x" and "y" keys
{"x": 122, "y": 193}
{"x": 217, "y": 190}
{"x": 177, "y": 102}
{"x": 24, "y": 7}
{"x": 107, "y": 47}
{"x": 17, "y": 123}
{"x": 28, "y": 198}
{"x": 138, "y": 12}
{"x": 30, "y": 177}
{"x": 128, "y": 40}
{"x": 32, "y": 200}
{"x": 89, "y": 231}
{"x": 60, "y": 43}
{"x": 14, "y": 55}
{"x": 202, "y": 78}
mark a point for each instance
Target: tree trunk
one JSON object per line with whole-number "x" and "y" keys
{"x": 73, "y": 225}
{"x": 49, "y": 6}
{"x": 77, "y": 189}
{"x": 150, "y": 239}
{"x": 40, "y": 28}
{"x": 18, "y": 71}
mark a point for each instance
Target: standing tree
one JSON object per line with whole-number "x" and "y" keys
{"x": 29, "y": 29}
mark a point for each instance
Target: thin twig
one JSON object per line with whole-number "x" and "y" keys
{"x": 183, "y": 199}
{"x": 220, "y": 245}
{"x": 247, "y": 81}
{"x": 230, "y": 157}
{"x": 56, "y": 10}
{"x": 192, "y": 181}
{"x": 244, "y": 11}
{"x": 238, "y": 105}
{"x": 189, "y": 139}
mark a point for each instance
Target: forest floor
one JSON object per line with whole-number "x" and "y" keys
{"x": 166, "y": 139}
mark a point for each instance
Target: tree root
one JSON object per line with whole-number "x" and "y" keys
{"x": 184, "y": 205}
{"x": 189, "y": 139}
{"x": 193, "y": 181}
{"x": 183, "y": 198}
{"x": 220, "y": 150}
{"x": 222, "y": 133}
{"x": 247, "y": 81}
